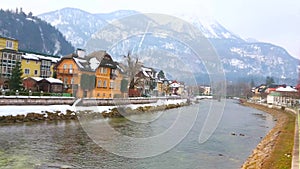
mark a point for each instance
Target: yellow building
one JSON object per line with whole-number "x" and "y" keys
{"x": 38, "y": 65}
{"x": 9, "y": 56}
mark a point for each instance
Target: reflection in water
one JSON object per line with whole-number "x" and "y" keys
{"x": 52, "y": 144}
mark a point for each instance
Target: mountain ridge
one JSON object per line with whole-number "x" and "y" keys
{"x": 33, "y": 33}
{"x": 239, "y": 57}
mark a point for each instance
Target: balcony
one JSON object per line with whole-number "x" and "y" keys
{"x": 67, "y": 71}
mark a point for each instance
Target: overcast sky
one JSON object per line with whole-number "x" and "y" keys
{"x": 275, "y": 21}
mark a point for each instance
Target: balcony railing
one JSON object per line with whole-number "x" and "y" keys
{"x": 67, "y": 71}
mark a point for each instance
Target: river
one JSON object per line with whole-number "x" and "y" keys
{"x": 60, "y": 144}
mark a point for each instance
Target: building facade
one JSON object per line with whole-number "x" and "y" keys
{"x": 38, "y": 65}
{"x": 90, "y": 75}
{"x": 9, "y": 57}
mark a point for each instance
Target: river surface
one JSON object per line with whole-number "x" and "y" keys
{"x": 53, "y": 145}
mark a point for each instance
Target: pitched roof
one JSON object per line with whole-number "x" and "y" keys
{"x": 34, "y": 78}
{"x": 92, "y": 61}
{"x": 286, "y": 89}
{"x": 53, "y": 80}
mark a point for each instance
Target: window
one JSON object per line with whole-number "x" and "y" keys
{"x": 36, "y": 62}
{"x": 4, "y": 69}
{"x": 71, "y": 68}
{"x": 9, "y": 44}
{"x": 65, "y": 66}
{"x": 5, "y": 56}
{"x": 66, "y": 80}
{"x": 104, "y": 84}
{"x": 26, "y": 71}
{"x": 114, "y": 71}
{"x": 72, "y": 80}
{"x": 35, "y": 72}
{"x": 9, "y": 70}
{"x": 112, "y": 85}
{"x": 27, "y": 61}
{"x": 103, "y": 70}
{"x": 98, "y": 94}
{"x": 99, "y": 83}
{"x": 103, "y": 94}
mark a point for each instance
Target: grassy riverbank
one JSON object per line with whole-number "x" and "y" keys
{"x": 275, "y": 150}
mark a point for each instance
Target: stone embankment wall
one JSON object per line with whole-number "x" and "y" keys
{"x": 34, "y": 117}
{"x": 263, "y": 150}
{"x": 35, "y": 100}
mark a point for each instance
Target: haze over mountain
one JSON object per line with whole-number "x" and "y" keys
{"x": 241, "y": 59}
{"x": 33, "y": 33}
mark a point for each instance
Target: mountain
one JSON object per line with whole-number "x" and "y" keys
{"x": 241, "y": 59}
{"x": 33, "y": 33}
{"x": 77, "y": 25}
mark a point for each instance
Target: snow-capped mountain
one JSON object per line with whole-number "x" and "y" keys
{"x": 76, "y": 25}
{"x": 240, "y": 58}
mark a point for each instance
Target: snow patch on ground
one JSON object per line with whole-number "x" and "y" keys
{"x": 24, "y": 110}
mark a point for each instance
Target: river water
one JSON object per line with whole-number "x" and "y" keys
{"x": 53, "y": 145}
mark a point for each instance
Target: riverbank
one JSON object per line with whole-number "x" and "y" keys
{"x": 19, "y": 114}
{"x": 276, "y": 148}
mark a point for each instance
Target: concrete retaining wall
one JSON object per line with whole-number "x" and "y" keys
{"x": 36, "y": 100}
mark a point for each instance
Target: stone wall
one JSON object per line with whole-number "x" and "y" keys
{"x": 36, "y": 100}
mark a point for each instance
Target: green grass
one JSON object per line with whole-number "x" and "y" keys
{"x": 281, "y": 157}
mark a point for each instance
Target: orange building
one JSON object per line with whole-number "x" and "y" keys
{"x": 90, "y": 75}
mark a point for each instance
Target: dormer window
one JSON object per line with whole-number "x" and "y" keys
{"x": 9, "y": 44}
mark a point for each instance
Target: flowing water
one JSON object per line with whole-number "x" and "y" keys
{"x": 66, "y": 143}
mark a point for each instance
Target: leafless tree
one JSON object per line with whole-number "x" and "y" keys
{"x": 131, "y": 67}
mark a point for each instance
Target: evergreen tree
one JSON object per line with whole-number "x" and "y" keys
{"x": 269, "y": 80}
{"x": 161, "y": 75}
{"x": 15, "y": 81}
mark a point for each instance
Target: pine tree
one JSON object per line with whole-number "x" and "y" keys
{"x": 161, "y": 75}
{"x": 15, "y": 81}
{"x": 269, "y": 80}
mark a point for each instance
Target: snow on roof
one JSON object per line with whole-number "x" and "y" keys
{"x": 286, "y": 89}
{"x": 30, "y": 56}
{"x": 175, "y": 85}
{"x": 79, "y": 62}
{"x": 94, "y": 63}
{"x": 145, "y": 74}
{"x": 146, "y": 69}
{"x": 33, "y": 56}
{"x": 35, "y": 78}
{"x": 53, "y": 80}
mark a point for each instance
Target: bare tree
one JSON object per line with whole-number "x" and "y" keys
{"x": 131, "y": 68}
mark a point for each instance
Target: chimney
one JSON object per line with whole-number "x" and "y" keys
{"x": 80, "y": 52}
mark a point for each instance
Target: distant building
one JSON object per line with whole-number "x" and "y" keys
{"x": 146, "y": 81}
{"x": 9, "y": 56}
